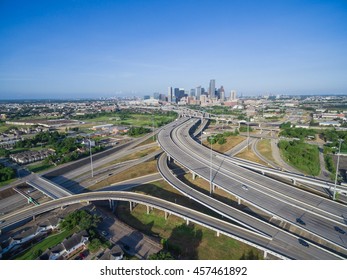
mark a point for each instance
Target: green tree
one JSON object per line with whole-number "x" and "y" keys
{"x": 162, "y": 255}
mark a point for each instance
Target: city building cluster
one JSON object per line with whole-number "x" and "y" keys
{"x": 199, "y": 96}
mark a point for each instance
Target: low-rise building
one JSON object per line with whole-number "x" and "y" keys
{"x": 68, "y": 248}
{"x": 31, "y": 156}
{"x": 115, "y": 253}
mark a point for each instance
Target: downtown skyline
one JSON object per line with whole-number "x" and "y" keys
{"x": 90, "y": 49}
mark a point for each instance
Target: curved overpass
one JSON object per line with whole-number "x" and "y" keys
{"x": 269, "y": 195}
{"x": 215, "y": 224}
{"x": 276, "y": 246}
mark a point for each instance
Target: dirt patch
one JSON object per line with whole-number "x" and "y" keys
{"x": 7, "y": 193}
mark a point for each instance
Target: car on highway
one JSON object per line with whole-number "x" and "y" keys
{"x": 340, "y": 230}
{"x": 300, "y": 221}
{"x": 303, "y": 242}
{"x": 245, "y": 187}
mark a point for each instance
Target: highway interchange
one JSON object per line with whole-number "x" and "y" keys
{"x": 272, "y": 197}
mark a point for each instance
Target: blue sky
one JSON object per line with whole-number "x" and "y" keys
{"x": 82, "y": 48}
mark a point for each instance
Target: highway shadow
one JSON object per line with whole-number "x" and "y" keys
{"x": 70, "y": 185}
{"x": 219, "y": 195}
{"x": 184, "y": 242}
{"x": 170, "y": 194}
{"x": 132, "y": 244}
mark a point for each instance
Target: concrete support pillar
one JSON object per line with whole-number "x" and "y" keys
{"x": 148, "y": 209}
{"x": 238, "y": 200}
{"x": 263, "y": 172}
{"x": 213, "y": 187}
{"x": 265, "y": 254}
{"x": 166, "y": 215}
{"x": 169, "y": 158}
{"x": 217, "y": 232}
{"x": 193, "y": 175}
{"x": 112, "y": 204}
{"x": 187, "y": 222}
{"x": 131, "y": 206}
{"x": 294, "y": 181}
{"x": 34, "y": 218}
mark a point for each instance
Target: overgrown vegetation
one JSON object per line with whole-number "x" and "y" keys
{"x": 245, "y": 128}
{"x": 332, "y": 136}
{"x": 85, "y": 221}
{"x": 220, "y": 138}
{"x": 330, "y": 165}
{"x": 6, "y": 173}
{"x": 137, "y": 131}
{"x": 66, "y": 148}
{"x": 298, "y": 132}
{"x": 302, "y": 156}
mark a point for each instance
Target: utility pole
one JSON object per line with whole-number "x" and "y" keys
{"x": 211, "y": 139}
{"x": 248, "y": 135}
{"x": 91, "y": 158}
{"x": 153, "y": 126}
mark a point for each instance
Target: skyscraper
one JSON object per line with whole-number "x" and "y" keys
{"x": 221, "y": 93}
{"x": 198, "y": 92}
{"x": 192, "y": 92}
{"x": 233, "y": 95}
{"x": 169, "y": 94}
{"x": 212, "y": 89}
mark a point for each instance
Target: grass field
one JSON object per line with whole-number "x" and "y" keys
{"x": 136, "y": 155}
{"x": 264, "y": 147}
{"x": 186, "y": 241}
{"x": 132, "y": 119}
{"x": 5, "y": 183}
{"x": 249, "y": 155}
{"x": 141, "y": 169}
{"x": 232, "y": 141}
{"x": 48, "y": 242}
{"x": 39, "y": 167}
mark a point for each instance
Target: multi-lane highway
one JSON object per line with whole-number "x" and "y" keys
{"x": 320, "y": 216}
{"x": 293, "y": 249}
{"x": 280, "y": 200}
{"x": 221, "y": 227}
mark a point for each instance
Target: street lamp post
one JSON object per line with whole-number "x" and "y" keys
{"x": 337, "y": 169}
{"x": 153, "y": 126}
{"x": 211, "y": 139}
{"x": 91, "y": 158}
{"x": 248, "y": 135}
